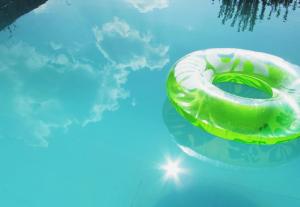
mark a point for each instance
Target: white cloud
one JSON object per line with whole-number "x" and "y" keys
{"x": 145, "y": 6}
{"x": 35, "y": 118}
{"x": 42, "y": 99}
{"x": 34, "y": 110}
{"x": 28, "y": 56}
{"x": 143, "y": 54}
{"x": 34, "y": 60}
{"x": 110, "y": 92}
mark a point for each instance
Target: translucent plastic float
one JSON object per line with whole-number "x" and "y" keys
{"x": 191, "y": 89}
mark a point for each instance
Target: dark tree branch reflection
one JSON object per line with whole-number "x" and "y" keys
{"x": 244, "y": 13}
{"x": 10, "y": 10}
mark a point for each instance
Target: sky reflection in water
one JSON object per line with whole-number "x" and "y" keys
{"x": 82, "y": 94}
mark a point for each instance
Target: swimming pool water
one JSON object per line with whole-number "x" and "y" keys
{"x": 84, "y": 117}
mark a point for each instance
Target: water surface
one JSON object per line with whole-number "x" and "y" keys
{"x": 84, "y": 117}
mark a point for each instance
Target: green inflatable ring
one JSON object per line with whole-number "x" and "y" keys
{"x": 191, "y": 89}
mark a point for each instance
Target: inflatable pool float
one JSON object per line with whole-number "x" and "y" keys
{"x": 192, "y": 90}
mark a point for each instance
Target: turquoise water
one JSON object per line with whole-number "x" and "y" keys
{"x": 85, "y": 120}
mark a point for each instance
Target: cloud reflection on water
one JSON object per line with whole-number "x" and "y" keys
{"x": 56, "y": 87}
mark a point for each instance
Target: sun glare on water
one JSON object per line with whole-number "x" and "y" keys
{"x": 172, "y": 170}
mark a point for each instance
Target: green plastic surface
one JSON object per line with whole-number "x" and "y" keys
{"x": 191, "y": 89}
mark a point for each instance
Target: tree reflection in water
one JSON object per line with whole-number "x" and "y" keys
{"x": 11, "y": 10}
{"x": 245, "y": 13}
